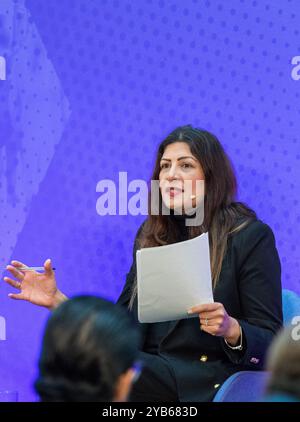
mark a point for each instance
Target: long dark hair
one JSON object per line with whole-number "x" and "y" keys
{"x": 88, "y": 343}
{"x": 222, "y": 214}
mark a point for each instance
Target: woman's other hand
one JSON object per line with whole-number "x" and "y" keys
{"x": 37, "y": 288}
{"x": 215, "y": 320}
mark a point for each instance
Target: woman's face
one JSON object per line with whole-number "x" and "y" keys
{"x": 179, "y": 172}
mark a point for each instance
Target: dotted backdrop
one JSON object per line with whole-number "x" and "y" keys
{"x": 91, "y": 88}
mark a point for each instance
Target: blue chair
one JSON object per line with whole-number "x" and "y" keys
{"x": 290, "y": 305}
{"x": 243, "y": 386}
{"x": 248, "y": 386}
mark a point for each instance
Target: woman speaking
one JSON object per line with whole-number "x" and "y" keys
{"x": 189, "y": 359}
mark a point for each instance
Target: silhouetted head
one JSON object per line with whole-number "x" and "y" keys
{"x": 88, "y": 353}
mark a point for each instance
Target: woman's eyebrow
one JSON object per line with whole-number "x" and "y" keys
{"x": 180, "y": 158}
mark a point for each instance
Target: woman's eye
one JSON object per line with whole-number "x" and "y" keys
{"x": 186, "y": 165}
{"x": 163, "y": 166}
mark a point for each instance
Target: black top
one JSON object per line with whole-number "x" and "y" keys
{"x": 249, "y": 287}
{"x": 157, "y": 331}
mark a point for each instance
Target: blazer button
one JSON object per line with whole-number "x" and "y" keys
{"x": 203, "y": 358}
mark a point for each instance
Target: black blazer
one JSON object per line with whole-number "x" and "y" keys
{"x": 249, "y": 287}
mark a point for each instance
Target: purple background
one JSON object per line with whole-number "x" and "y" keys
{"x": 91, "y": 88}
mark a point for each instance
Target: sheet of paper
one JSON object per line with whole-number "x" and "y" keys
{"x": 173, "y": 278}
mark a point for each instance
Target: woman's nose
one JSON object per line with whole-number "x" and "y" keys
{"x": 172, "y": 173}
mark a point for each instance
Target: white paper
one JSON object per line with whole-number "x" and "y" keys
{"x": 173, "y": 278}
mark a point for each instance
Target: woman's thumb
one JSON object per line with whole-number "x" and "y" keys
{"x": 48, "y": 265}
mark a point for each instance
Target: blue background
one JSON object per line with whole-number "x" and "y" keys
{"x": 91, "y": 88}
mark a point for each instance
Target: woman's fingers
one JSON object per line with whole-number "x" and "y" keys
{"x": 212, "y": 321}
{"x": 18, "y": 274}
{"x": 18, "y": 264}
{"x": 209, "y": 307}
{"x": 211, "y": 318}
{"x": 211, "y": 315}
{"x": 212, "y": 327}
{"x": 14, "y": 296}
{"x": 14, "y": 283}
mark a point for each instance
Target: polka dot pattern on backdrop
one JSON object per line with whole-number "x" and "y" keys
{"x": 99, "y": 84}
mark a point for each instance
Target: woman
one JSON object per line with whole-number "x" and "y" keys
{"x": 88, "y": 353}
{"x": 188, "y": 360}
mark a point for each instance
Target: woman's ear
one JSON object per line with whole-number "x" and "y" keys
{"x": 123, "y": 386}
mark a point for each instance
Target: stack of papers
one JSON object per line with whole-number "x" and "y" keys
{"x": 173, "y": 278}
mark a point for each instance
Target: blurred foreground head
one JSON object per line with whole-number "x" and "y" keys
{"x": 284, "y": 364}
{"x": 88, "y": 352}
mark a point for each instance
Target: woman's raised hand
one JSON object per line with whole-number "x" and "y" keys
{"x": 34, "y": 287}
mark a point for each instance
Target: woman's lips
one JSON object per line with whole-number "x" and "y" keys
{"x": 172, "y": 192}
